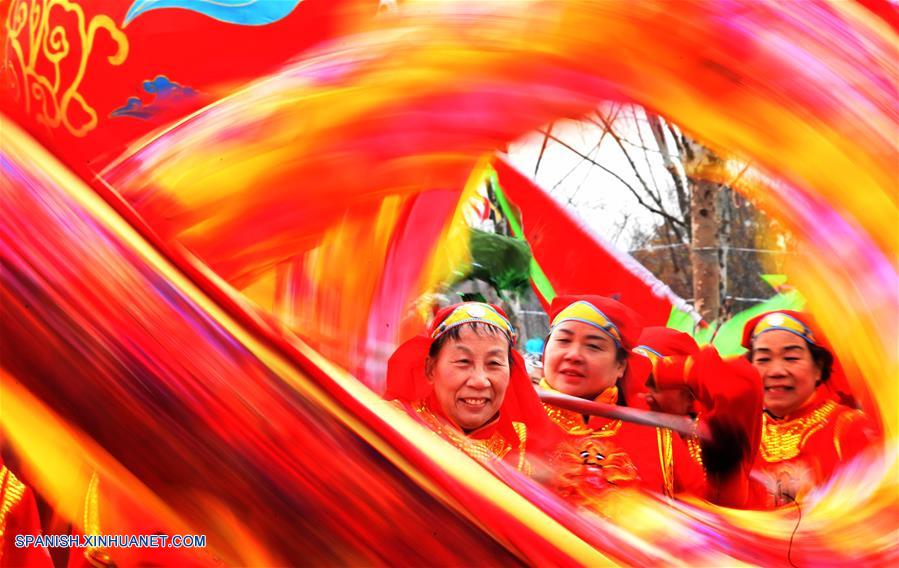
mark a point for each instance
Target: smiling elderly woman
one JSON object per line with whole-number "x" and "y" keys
{"x": 806, "y": 433}
{"x": 464, "y": 381}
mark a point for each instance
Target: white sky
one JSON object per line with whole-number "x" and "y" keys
{"x": 595, "y": 196}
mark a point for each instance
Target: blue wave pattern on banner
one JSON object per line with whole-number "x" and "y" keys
{"x": 240, "y": 12}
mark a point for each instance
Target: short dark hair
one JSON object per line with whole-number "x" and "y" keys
{"x": 622, "y": 355}
{"x": 823, "y": 359}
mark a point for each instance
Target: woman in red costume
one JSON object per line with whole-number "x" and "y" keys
{"x": 465, "y": 382}
{"x": 726, "y": 396}
{"x": 806, "y": 433}
{"x": 588, "y": 355}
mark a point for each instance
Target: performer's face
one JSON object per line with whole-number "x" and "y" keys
{"x": 789, "y": 373}
{"x": 673, "y": 401}
{"x": 580, "y": 360}
{"x": 470, "y": 377}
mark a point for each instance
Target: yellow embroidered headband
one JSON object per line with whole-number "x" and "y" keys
{"x": 783, "y": 322}
{"x": 474, "y": 312}
{"x": 585, "y": 312}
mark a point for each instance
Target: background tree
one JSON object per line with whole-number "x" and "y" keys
{"x": 690, "y": 227}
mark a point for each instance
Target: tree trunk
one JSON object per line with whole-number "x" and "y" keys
{"x": 704, "y": 241}
{"x": 725, "y": 239}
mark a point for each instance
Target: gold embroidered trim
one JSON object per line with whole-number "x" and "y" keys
{"x": 666, "y": 460}
{"x": 95, "y": 556}
{"x": 11, "y": 492}
{"x": 522, "y": 430}
{"x": 784, "y": 441}
{"x": 568, "y": 420}
{"x": 573, "y": 423}
{"x": 494, "y": 447}
{"x": 694, "y": 446}
{"x": 92, "y": 506}
{"x": 695, "y": 449}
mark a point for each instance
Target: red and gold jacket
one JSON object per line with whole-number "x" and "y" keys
{"x": 729, "y": 397}
{"x": 489, "y": 442}
{"x": 802, "y": 450}
{"x": 655, "y": 458}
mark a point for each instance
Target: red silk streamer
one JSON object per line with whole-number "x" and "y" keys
{"x": 389, "y": 324}
{"x": 576, "y": 260}
{"x": 185, "y": 404}
{"x": 233, "y": 427}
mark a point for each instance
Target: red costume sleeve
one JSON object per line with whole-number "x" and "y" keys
{"x": 730, "y": 397}
{"x": 853, "y": 432}
{"x": 728, "y": 391}
{"x": 689, "y": 477}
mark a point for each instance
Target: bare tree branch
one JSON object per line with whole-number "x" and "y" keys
{"x": 659, "y": 208}
{"x": 671, "y": 251}
{"x": 661, "y": 212}
{"x": 680, "y": 185}
{"x": 586, "y": 175}
{"x": 543, "y": 148}
{"x": 645, "y": 154}
{"x": 576, "y": 166}
{"x": 602, "y": 137}
{"x": 608, "y": 126}
{"x": 641, "y": 147}
{"x": 621, "y": 226}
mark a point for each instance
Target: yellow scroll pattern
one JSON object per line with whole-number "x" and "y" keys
{"x": 48, "y": 46}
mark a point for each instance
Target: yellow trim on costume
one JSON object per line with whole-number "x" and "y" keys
{"x": 666, "y": 460}
{"x": 688, "y": 366}
{"x": 474, "y": 312}
{"x": 785, "y": 440}
{"x": 650, "y": 353}
{"x": 521, "y": 430}
{"x": 95, "y": 556}
{"x": 783, "y": 322}
{"x": 843, "y": 421}
{"x": 494, "y": 447}
{"x": 694, "y": 447}
{"x": 574, "y": 423}
{"x": 585, "y": 312}
{"x": 11, "y": 492}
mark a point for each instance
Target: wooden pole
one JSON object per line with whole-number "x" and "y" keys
{"x": 680, "y": 424}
